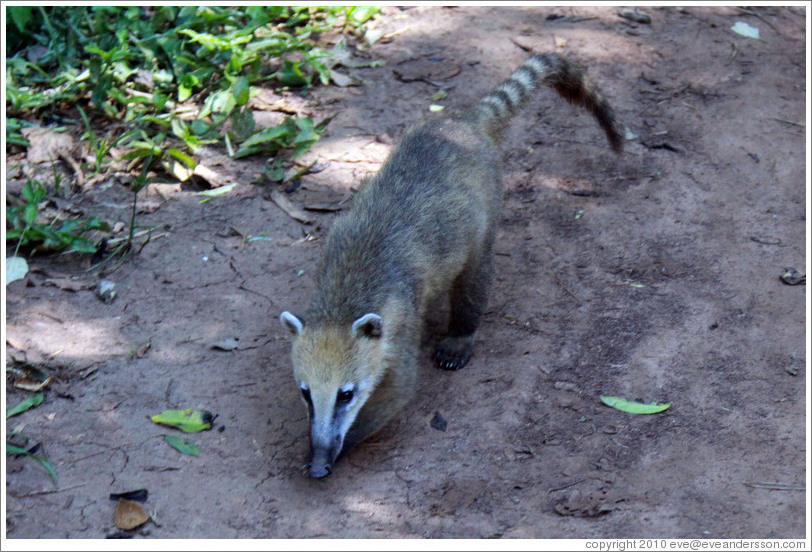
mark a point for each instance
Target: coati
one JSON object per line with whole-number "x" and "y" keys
{"x": 422, "y": 226}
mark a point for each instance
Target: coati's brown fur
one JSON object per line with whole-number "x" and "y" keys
{"x": 424, "y": 225}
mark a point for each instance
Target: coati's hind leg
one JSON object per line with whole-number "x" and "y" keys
{"x": 469, "y": 296}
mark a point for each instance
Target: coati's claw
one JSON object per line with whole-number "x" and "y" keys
{"x": 453, "y": 353}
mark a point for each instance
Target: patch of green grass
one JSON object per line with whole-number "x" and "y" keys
{"x": 24, "y": 224}
{"x": 140, "y": 63}
{"x": 162, "y": 81}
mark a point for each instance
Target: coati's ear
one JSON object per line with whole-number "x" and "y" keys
{"x": 293, "y": 324}
{"x": 370, "y": 325}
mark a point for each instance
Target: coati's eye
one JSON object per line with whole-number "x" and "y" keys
{"x": 344, "y": 397}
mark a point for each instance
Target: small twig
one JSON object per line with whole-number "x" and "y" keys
{"x": 802, "y": 125}
{"x": 568, "y": 485}
{"x": 116, "y": 241}
{"x": 793, "y": 53}
{"x": 617, "y": 442}
{"x": 776, "y": 486}
{"x": 567, "y": 291}
{"x": 520, "y": 45}
{"x": 733, "y": 53}
{"x": 395, "y": 33}
{"x": 80, "y": 176}
{"x": 51, "y": 491}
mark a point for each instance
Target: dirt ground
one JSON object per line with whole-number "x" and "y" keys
{"x": 654, "y": 275}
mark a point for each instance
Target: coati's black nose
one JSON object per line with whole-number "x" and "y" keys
{"x": 319, "y": 470}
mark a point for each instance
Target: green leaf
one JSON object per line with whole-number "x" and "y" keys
{"x": 267, "y": 135}
{"x": 209, "y": 41}
{"x": 82, "y": 245}
{"x": 241, "y": 90}
{"x": 633, "y": 407}
{"x": 291, "y": 75}
{"x": 188, "y": 420}
{"x": 186, "y": 86}
{"x": 13, "y": 234}
{"x": 30, "y": 402}
{"x": 30, "y": 213}
{"x": 100, "y": 92}
{"x": 179, "y": 128}
{"x": 33, "y": 192}
{"x": 358, "y": 15}
{"x": 242, "y": 125}
{"x": 142, "y": 151}
{"x": 220, "y": 103}
{"x": 267, "y": 139}
{"x": 11, "y": 449}
{"x": 20, "y": 15}
{"x": 182, "y": 157}
{"x": 208, "y": 195}
{"x": 184, "y": 447}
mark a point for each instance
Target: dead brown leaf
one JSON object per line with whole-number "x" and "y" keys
{"x": 68, "y": 284}
{"x": 29, "y": 384}
{"x": 129, "y": 515}
{"x": 46, "y": 144}
{"x": 142, "y": 349}
{"x": 292, "y": 211}
{"x": 215, "y": 179}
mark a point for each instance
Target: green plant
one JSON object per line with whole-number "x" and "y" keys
{"x": 99, "y": 146}
{"x": 163, "y": 81}
{"x": 140, "y": 64}
{"x": 11, "y": 449}
{"x": 125, "y": 246}
{"x": 22, "y": 224}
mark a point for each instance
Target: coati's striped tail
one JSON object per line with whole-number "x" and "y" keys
{"x": 495, "y": 110}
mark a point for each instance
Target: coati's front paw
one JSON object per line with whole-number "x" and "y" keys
{"x": 453, "y": 353}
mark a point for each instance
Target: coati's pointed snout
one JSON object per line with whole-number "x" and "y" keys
{"x": 320, "y": 464}
{"x": 318, "y": 471}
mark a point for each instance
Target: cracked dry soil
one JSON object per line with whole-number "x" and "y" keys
{"x": 651, "y": 276}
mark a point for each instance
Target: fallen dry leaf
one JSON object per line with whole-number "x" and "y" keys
{"x": 214, "y": 178}
{"x": 29, "y": 384}
{"x": 68, "y": 284}
{"x": 129, "y": 515}
{"x": 46, "y": 145}
{"x": 294, "y": 212}
{"x": 142, "y": 349}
